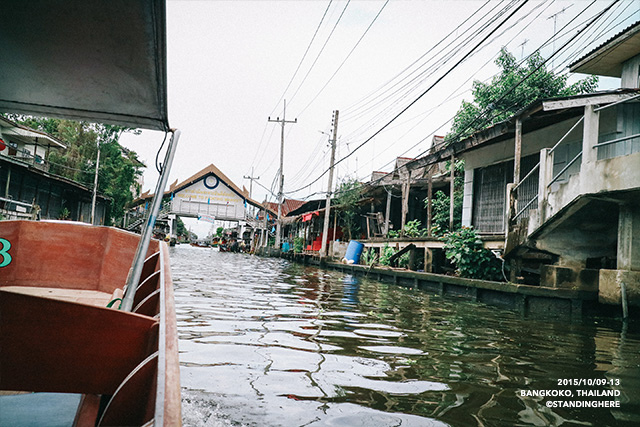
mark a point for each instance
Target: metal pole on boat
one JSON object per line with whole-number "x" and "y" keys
{"x": 147, "y": 230}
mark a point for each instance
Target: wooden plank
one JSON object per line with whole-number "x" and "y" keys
{"x": 59, "y": 346}
{"x": 81, "y": 296}
{"x": 170, "y": 369}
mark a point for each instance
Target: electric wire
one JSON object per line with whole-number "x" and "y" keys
{"x": 351, "y": 108}
{"x": 292, "y": 78}
{"x": 321, "y": 50}
{"x": 484, "y": 113}
{"x": 345, "y": 59}
{"x": 295, "y": 73}
{"x": 438, "y": 64}
{"x": 520, "y": 6}
{"x": 566, "y": 44}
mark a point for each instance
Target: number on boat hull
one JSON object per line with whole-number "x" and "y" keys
{"x": 5, "y": 258}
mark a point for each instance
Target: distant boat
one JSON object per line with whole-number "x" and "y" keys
{"x": 199, "y": 244}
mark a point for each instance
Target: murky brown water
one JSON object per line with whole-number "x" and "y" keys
{"x": 264, "y": 342}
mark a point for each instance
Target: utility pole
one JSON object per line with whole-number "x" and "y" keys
{"x": 95, "y": 188}
{"x": 251, "y": 178}
{"x": 327, "y": 210}
{"x": 281, "y": 191}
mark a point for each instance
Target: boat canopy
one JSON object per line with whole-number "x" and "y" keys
{"x": 93, "y": 60}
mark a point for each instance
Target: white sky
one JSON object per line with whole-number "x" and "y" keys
{"x": 229, "y": 63}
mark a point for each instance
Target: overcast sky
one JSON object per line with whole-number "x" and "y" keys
{"x": 230, "y": 63}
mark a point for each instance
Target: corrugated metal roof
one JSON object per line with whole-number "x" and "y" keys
{"x": 288, "y": 205}
{"x": 607, "y": 58}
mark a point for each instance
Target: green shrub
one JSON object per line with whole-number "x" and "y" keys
{"x": 369, "y": 257}
{"x": 385, "y": 253}
{"x": 414, "y": 229}
{"x": 297, "y": 244}
{"x": 472, "y": 260}
{"x": 403, "y": 261}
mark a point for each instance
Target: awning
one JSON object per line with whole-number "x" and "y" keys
{"x": 307, "y": 217}
{"x": 94, "y": 60}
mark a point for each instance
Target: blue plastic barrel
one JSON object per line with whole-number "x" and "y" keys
{"x": 354, "y": 250}
{"x": 285, "y": 247}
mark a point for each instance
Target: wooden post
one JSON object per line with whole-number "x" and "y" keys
{"x": 412, "y": 259}
{"x": 335, "y": 224}
{"x": 517, "y": 152}
{"x": 428, "y": 260}
{"x": 451, "y": 191}
{"x": 387, "y": 214}
{"x": 429, "y": 204}
{"x": 405, "y": 200}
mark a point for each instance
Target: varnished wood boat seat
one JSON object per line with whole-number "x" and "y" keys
{"x": 81, "y": 296}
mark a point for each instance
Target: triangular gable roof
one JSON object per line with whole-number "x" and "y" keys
{"x": 211, "y": 169}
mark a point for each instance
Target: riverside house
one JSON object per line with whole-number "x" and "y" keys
{"x": 560, "y": 182}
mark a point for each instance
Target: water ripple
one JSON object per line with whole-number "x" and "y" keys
{"x": 267, "y": 343}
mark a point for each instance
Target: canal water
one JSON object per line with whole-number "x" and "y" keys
{"x": 266, "y": 342}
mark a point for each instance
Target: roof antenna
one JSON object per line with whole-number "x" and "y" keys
{"x": 555, "y": 17}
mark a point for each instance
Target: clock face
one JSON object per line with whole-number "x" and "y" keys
{"x": 211, "y": 182}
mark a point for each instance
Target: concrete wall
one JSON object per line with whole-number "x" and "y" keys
{"x": 610, "y": 290}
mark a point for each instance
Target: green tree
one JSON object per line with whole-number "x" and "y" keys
{"x": 119, "y": 167}
{"x": 181, "y": 230}
{"x": 346, "y": 201}
{"x": 502, "y": 100}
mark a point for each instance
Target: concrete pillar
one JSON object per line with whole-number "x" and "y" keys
{"x": 467, "y": 201}
{"x": 172, "y": 226}
{"x": 589, "y": 153}
{"x": 628, "y": 238}
{"x": 544, "y": 177}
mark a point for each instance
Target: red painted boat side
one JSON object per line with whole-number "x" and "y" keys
{"x": 58, "y": 345}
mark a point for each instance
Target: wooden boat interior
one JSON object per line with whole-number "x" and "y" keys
{"x": 61, "y": 330}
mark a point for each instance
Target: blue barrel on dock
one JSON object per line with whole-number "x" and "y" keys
{"x": 286, "y": 247}
{"x": 354, "y": 250}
